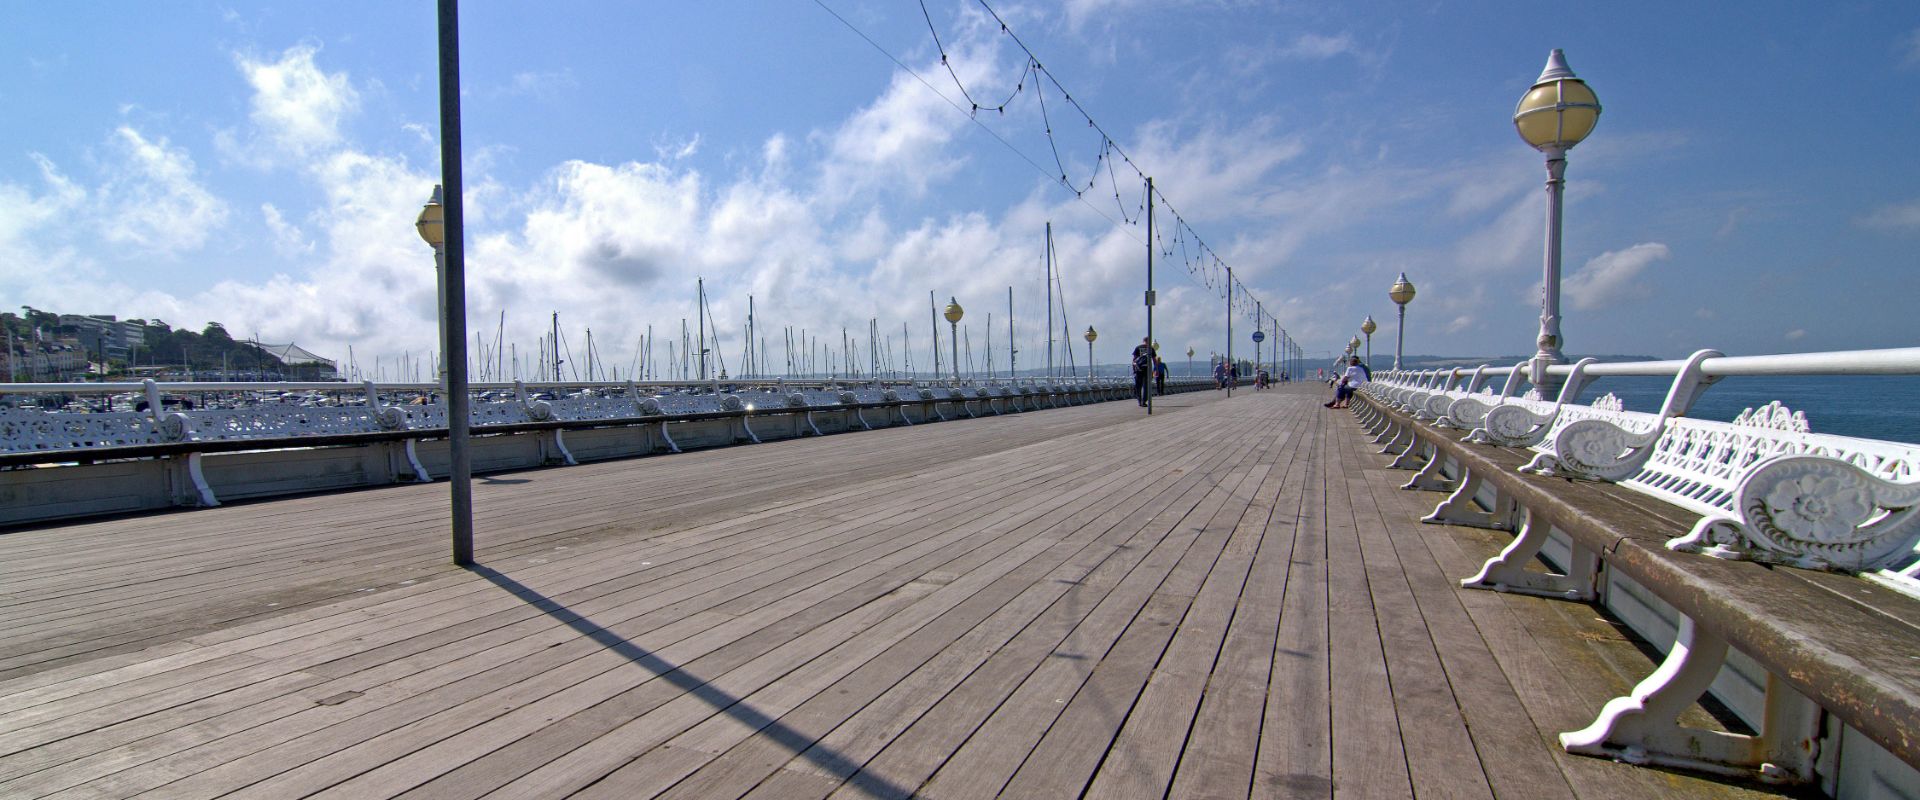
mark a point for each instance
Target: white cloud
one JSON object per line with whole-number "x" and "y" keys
{"x": 153, "y": 201}
{"x": 1314, "y": 47}
{"x": 22, "y": 212}
{"x": 1909, "y": 48}
{"x": 1896, "y": 217}
{"x": 424, "y": 133}
{"x": 541, "y": 84}
{"x": 296, "y": 105}
{"x": 1796, "y": 334}
{"x": 1612, "y": 277}
{"x": 677, "y": 151}
{"x": 287, "y": 237}
{"x": 1510, "y": 239}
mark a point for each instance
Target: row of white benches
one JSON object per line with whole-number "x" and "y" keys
{"x": 1833, "y": 659}
{"x": 1767, "y": 488}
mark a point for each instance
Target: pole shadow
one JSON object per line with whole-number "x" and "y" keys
{"x": 798, "y": 743}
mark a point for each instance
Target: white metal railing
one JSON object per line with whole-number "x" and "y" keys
{"x": 1768, "y": 488}
{"x": 162, "y": 413}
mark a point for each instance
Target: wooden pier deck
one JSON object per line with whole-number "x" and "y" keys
{"x": 1231, "y": 598}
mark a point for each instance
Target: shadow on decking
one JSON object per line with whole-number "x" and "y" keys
{"x": 799, "y": 743}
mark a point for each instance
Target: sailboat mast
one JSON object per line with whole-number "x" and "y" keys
{"x": 1049, "y": 261}
{"x": 934, "y": 315}
{"x": 700, "y": 312}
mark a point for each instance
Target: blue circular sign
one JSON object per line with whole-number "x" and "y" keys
{"x": 1259, "y": 336}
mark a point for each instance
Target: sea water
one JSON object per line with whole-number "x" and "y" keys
{"x": 1864, "y": 406}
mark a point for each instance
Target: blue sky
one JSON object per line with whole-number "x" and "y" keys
{"x": 1751, "y": 186}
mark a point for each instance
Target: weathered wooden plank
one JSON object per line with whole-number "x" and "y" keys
{"x": 1295, "y": 756}
{"x": 1218, "y": 756}
{"x": 1369, "y": 753}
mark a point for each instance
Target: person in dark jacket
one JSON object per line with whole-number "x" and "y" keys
{"x": 1159, "y": 376}
{"x": 1142, "y": 369}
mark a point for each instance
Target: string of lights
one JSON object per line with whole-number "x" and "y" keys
{"x": 1209, "y": 267}
{"x": 1200, "y": 260}
{"x": 1079, "y": 195}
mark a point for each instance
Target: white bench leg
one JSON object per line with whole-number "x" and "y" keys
{"x": 1508, "y": 571}
{"x": 1460, "y": 507}
{"x": 1432, "y": 477}
{"x": 1643, "y": 727}
{"x": 1415, "y": 453}
{"x": 1388, "y": 430}
{"x": 412, "y": 454}
{"x": 1402, "y": 439}
{"x": 559, "y": 453}
{"x": 189, "y": 482}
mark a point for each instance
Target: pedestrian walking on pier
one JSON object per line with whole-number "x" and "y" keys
{"x": 1142, "y": 370}
{"x": 1159, "y": 376}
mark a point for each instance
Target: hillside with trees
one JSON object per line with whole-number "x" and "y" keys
{"x": 45, "y": 341}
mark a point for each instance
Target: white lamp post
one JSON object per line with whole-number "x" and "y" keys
{"x": 1401, "y": 294}
{"x": 1090, "y": 335}
{"x": 1553, "y": 116}
{"x": 953, "y": 314}
{"x": 1368, "y": 326}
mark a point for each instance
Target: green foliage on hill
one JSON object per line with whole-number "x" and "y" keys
{"x": 210, "y": 348}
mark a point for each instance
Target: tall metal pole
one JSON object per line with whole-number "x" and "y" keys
{"x": 1230, "y": 364}
{"x": 1400, "y": 338}
{"x": 956, "y": 349}
{"x": 1549, "y": 339}
{"x": 1151, "y": 353}
{"x": 933, "y": 314}
{"x": 1013, "y": 352}
{"x": 1050, "y": 374}
{"x": 700, "y": 311}
{"x": 453, "y": 301}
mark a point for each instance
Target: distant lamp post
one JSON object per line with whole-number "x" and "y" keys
{"x": 1401, "y": 294}
{"x": 1553, "y": 116}
{"x": 1189, "y": 362}
{"x": 432, "y": 225}
{"x": 1090, "y": 335}
{"x": 1353, "y": 346}
{"x": 953, "y": 314}
{"x": 1368, "y": 326}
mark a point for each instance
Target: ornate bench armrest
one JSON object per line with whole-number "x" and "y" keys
{"x": 1813, "y": 512}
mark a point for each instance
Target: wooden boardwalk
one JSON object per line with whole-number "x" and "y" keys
{"x": 1231, "y": 598}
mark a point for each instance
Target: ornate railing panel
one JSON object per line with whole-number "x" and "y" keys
{"x": 24, "y": 431}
